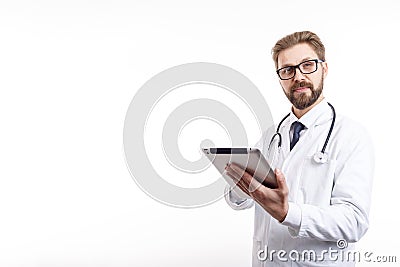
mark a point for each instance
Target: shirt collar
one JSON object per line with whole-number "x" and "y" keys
{"x": 314, "y": 116}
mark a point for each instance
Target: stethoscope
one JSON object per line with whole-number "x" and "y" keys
{"x": 320, "y": 156}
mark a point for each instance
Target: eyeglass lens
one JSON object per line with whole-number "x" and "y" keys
{"x": 305, "y": 68}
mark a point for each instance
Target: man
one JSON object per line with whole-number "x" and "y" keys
{"x": 320, "y": 208}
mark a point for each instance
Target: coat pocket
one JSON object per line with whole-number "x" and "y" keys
{"x": 316, "y": 182}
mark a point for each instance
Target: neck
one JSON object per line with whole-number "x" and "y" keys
{"x": 300, "y": 112}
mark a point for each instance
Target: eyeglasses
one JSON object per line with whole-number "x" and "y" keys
{"x": 306, "y": 67}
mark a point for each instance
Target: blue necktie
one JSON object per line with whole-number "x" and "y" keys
{"x": 297, "y": 127}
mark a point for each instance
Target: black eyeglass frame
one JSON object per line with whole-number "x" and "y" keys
{"x": 298, "y": 67}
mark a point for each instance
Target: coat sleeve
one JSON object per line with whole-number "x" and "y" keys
{"x": 235, "y": 200}
{"x": 347, "y": 215}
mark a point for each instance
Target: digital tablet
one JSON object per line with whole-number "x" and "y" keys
{"x": 250, "y": 159}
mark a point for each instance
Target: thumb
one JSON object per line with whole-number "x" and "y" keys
{"x": 280, "y": 178}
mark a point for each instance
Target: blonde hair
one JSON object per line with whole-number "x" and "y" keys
{"x": 293, "y": 39}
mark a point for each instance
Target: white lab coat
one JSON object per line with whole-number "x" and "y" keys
{"x": 327, "y": 202}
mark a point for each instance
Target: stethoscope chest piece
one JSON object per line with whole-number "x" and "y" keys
{"x": 320, "y": 157}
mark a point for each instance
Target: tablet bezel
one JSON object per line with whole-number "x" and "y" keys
{"x": 250, "y": 159}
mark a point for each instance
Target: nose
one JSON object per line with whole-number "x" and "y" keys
{"x": 298, "y": 76}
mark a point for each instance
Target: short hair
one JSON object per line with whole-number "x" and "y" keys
{"x": 293, "y": 39}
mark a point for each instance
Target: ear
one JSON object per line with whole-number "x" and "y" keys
{"x": 325, "y": 69}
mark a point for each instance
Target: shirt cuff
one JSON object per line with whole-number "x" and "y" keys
{"x": 235, "y": 201}
{"x": 293, "y": 219}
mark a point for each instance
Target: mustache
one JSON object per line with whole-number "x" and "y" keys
{"x": 302, "y": 84}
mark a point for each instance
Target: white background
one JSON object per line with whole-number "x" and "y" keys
{"x": 68, "y": 71}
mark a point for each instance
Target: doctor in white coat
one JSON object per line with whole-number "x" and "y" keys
{"x": 324, "y": 167}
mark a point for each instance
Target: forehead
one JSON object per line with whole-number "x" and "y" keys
{"x": 295, "y": 55}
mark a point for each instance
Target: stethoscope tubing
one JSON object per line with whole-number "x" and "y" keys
{"x": 277, "y": 133}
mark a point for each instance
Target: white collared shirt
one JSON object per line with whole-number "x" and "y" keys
{"x": 327, "y": 202}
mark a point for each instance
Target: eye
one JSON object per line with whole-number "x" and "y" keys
{"x": 308, "y": 65}
{"x": 287, "y": 70}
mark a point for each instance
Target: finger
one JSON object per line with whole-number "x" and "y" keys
{"x": 238, "y": 184}
{"x": 243, "y": 188}
{"x": 249, "y": 181}
{"x": 237, "y": 179}
{"x": 235, "y": 172}
{"x": 237, "y": 169}
{"x": 232, "y": 174}
{"x": 238, "y": 174}
{"x": 255, "y": 185}
{"x": 281, "y": 181}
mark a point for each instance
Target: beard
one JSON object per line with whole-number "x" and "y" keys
{"x": 303, "y": 100}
